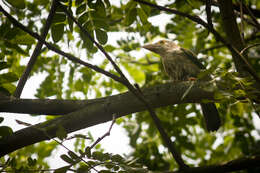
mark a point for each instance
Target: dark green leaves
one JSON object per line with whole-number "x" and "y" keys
{"x": 57, "y": 32}
{"x": 101, "y": 36}
{"x": 130, "y": 16}
{"x": 5, "y": 131}
{"x": 20, "y": 4}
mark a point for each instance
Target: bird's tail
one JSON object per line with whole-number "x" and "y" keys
{"x": 211, "y": 116}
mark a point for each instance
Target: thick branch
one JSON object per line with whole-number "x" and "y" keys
{"x": 232, "y": 31}
{"x": 139, "y": 95}
{"x": 231, "y": 166}
{"x": 92, "y": 113}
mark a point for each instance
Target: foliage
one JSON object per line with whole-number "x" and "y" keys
{"x": 122, "y": 28}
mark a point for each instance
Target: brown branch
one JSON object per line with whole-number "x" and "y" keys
{"x": 242, "y": 22}
{"x": 83, "y": 114}
{"x": 35, "y": 53}
{"x": 248, "y": 47}
{"x": 208, "y": 12}
{"x": 243, "y": 163}
{"x": 58, "y": 51}
{"x": 85, "y": 32}
{"x": 156, "y": 120}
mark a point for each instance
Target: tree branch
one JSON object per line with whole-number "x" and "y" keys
{"x": 83, "y": 114}
{"x": 58, "y": 51}
{"x": 139, "y": 95}
{"x": 36, "y": 52}
{"x": 231, "y": 166}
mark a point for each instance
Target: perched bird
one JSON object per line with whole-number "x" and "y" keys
{"x": 181, "y": 65}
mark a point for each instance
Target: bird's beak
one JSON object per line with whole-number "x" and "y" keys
{"x": 151, "y": 47}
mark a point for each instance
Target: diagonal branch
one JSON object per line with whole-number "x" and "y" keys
{"x": 36, "y": 52}
{"x": 82, "y": 114}
{"x": 166, "y": 138}
{"x": 58, "y": 51}
{"x": 208, "y": 12}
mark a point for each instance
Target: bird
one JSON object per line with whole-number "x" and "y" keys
{"x": 182, "y": 65}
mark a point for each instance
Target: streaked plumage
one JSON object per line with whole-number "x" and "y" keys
{"x": 181, "y": 65}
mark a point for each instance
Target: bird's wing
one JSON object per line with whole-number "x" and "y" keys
{"x": 192, "y": 57}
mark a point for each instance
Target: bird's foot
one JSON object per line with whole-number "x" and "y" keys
{"x": 192, "y": 79}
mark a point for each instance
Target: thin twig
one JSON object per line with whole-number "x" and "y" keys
{"x": 171, "y": 145}
{"x": 85, "y": 32}
{"x": 248, "y": 47}
{"x": 242, "y": 21}
{"x": 58, "y": 51}
{"x": 252, "y": 16}
{"x": 35, "y": 53}
{"x": 156, "y": 120}
{"x": 106, "y": 134}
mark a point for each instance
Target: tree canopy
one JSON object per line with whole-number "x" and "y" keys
{"x": 96, "y": 71}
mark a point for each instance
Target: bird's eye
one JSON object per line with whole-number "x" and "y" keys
{"x": 162, "y": 42}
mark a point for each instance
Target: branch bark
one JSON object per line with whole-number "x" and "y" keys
{"x": 232, "y": 32}
{"x": 243, "y": 163}
{"x": 83, "y": 114}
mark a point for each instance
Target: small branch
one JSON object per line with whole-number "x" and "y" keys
{"x": 208, "y": 11}
{"x": 36, "y": 52}
{"x": 212, "y": 48}
{"x": 58, "y": 51}
{"x": 248, "y": 47}
{"x": 170, "y": 145}
{"x": 106, "y": 134}
{"x": 85, "y": 32}
{"x": 135, "y": 91}
{"x": 231, "y": 166}
{"x": 242, "y": 22}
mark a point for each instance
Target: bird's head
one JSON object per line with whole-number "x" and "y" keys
{"x": 161, "y": 47}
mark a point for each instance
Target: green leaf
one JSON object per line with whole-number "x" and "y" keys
{"x": 8, "y": 77}
{"x": 57, "y": 32}
{"x": 101, "y": 36}
{"x": 83, "y": 18}
{"x": 88, "y": 152}
{"x": 109, "y": 48}
{"x": 7, "y": 88}
{"x": 17, "y": 3}
{"x": 130, "y": 17}
{"x": 3, "y": 65}
{"x": 78, "y": 2}
{"x": 23, "y": 39}
{"x": 66, "y": 158}
{"x": 117, "y": 158}
{"x": 5, "y": 131}
{"x": 73, "y": 155}
{"x": 62, "y": 169}
{"x": 100, "y": 8}
{"x": 142, "y": 15}
{"x": 81, "y": 9}
{"x": 31, "y": 162}
{"x": 59, "y": 18}
{"x": 70, "y": 21}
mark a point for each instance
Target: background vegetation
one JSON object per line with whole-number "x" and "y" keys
{"x": 90, "y": 50}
